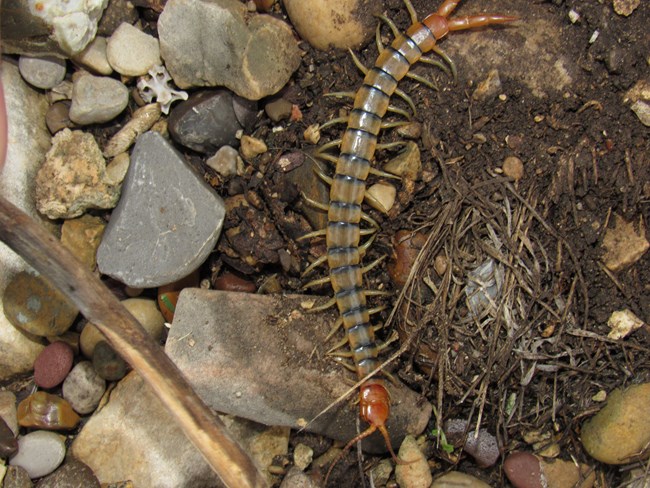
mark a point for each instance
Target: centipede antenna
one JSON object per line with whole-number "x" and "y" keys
{"x": 318, "y": 282}
{"x": 313, "y": 266}
{"x": 311, "y": 235}
{"x": 337, "y": 120}
{"x": 383, "y": 174}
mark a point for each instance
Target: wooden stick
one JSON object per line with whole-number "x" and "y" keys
{"x": 45, "y": 253}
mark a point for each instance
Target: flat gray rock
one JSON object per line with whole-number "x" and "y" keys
{"x": 262, "y": 357}
{"x": 166, "y": 223}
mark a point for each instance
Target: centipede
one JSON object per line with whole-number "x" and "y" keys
{"x": 343, "y": 233}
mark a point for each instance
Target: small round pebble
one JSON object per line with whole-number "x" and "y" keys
{"x": 58, "y": 116}
{"x": 108, "y": 364}
{"x": 279, "y": 109}
{"x": 72, "y": 474}
{"x": 132, "y": 52}
{"x": 94, "y": 57}
{"x": 225, "y": 161}
{"x": 97, "y": 99}
{"x": 42, "y": 72}
{"x": 513, "y": 168}
{"x": 523, "y": 470}
{"x": 8, "y": 442}
{"x": 39, "y": 453}
{"x": 231, "y": 282}
{"x": 84, "y": 388}
{"x": 53, "y": 364}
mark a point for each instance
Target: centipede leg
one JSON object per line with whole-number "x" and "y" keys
{"x": 318, "y": 282}
{"x": 337, "y": 120}
{"x": 314, "y": 265}
{"x": 329, "y": 303}
{"x": 312, "y": 235}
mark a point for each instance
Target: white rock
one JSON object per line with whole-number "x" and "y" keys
{"x": 28, "y": 140}
{"x": 83, "y": 388}
{"x": 97, "y": 99}
{"x": 381, "y": 196}
{"x": 39, "y": 453}
{"x": 225, "y": 161}
{"x": 94, "y": 57}
{"x": 132, "y": 52}
{"x": 622, "y": 322}
{"x": 8, "y": 410}
{"x": 44, "y": 72}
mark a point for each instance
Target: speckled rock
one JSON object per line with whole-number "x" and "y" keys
{"x": 39, "y": 453}
{"x": 83, "y": 388}
{"x": 253, "y": 55}
{"x": 73, "y": 177}
{"x": 34, "y": 306}
{"x": 484, "y": 448}
{"x": 108, "y": 364}
{"x": 53, "y": 364}
{"x": 167, "y": 222}
{"x": 72, "y": 474}
{"x": 82, "y": 236}
{"x": 132, "y": 52}
{"x": 343, "y": 24}
{"x": 17, "y": 477}
{"x": 42, "y": 72}
{"x": 621, "y": 429}
{"x": 8, "y": 442}
{"x": 97, "y": 99}
{"x": 45, "y": 411}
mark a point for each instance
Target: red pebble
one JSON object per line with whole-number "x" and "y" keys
{"x": 523, "y": 470}
{"x": 231, "y": 282}
{"x": 53, "y": 365}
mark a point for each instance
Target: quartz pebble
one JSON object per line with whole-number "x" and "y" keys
{"x": 34, "y": 306}
{"x": 42, "y": 72}
{"x": 45, "y": 411}
{"x": 72, "y": 474}
{"x": 73, "y": 177}
{"x": 97, "y": 99}
{"x": 53, "y": 364}
{"x": 621, "y": 429}
{"x": 39, "y": 453}
{"x": 210, "y": 119}
{"x": 108, "y": 364}
{"x": 226, "y": 161}
{"x": 167, "y": 222}
{"x": 83, "y": 388}
{"x": 132, "y": 52}
{"x": 302, "y": 456}
{"x": 8, "y": 442}
{"x": 94, "y": 57}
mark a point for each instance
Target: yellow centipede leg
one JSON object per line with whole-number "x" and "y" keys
{"x": 314, "y": 265}
{"x": 318, "y": 282}
{"x": 311, "y": 235}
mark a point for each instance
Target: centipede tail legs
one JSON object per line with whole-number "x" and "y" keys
{"x": 348, "y": 188}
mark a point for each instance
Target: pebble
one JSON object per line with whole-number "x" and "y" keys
{"x": 167, "y": 222}
{"x": 17, "y": 477}
{"x": 39, "y": 453}
{"x": 622, "y": 323}
{"x": 303, "y": 455}
{"x": 8, "y": 442}
{"x": 381, "y": 472}
{"x": 97, "y": 99}
{"x": 83, "y": 388}
{"x": 342, "y": 24}
{"x": 624, "y": 244}
{"x": 407, "y": 164}
{"x": 8, "y": 410}
{"x": 108, "y": 364}
{"x": 117, "y": 169}
{"x": 525, "y": 470}
{"x": 381, "y": 196}
{"x": 94, "y": 57}
{"x": 72, "y": 474}
{"x": 417, "y": 473}
{"x": 58, "y": 116}
{"x": 210, "y": 119}
{"x": 410, "y": 130}
{"x": 456, "y": 479}
{"x": 251, "y": 147}
{"x": 626, "y": 7}
{"x": 141, "y": 121}
{"x": 53, "y": 364}
{"x": 489, "y": 88}
{"x": 231, "y": 282}
{"x": 45, "y": 411}
{"x": 132, "y": 52}
{"x": 253, "y": 55}
{"x": 226, "y": 161}
{"x": 81, "y": 236}
{"x": 73, "y": 177}
{"x": 278, "y": 109}
{"x": 406, "y": 247}
{"x": 32, "y": 305}
{"x": 639, "y": 99}
{"x": 42, "y": 72}
{"x": 513, "y": 167}
{"x": 168, "y": 295}
{"x": 484, "y": 448}
{"x": 268, "y": 443}
{"x": 620, "y": 430}
{"x": 295, "y": 478}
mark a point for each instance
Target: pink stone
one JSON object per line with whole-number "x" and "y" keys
{"x": 523, "y": 470}
{"x": 53, "y": 364}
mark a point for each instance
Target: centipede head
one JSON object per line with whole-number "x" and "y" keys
{"x": 374, "y": 408}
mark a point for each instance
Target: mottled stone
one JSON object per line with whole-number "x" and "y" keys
{"x": 72, "y": 474}
{"x": 8, "y": 442}
{"x": 83, "y": 388}
{"x": 8, "y": 410}
{"x": 625, "y": 243}
{"x": 34, "y": 306}
{"x": 53, "y": 364}
{"x": 82, "y": 236}
{"x": 17, "y": 477}
{"x": 73, "y": 177}
{"x": 167, "y": 222}
{"x": 108, "y": 364}
{"x": 39, "y": 453}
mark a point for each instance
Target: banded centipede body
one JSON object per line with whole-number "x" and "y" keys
{"x": 353, "y": 165}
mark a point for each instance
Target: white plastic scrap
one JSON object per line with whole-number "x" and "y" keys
{"x": 73, "y": 22}
{"x": 157, "y": 84}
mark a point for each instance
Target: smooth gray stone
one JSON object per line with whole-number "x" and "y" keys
{"x": 167, "y": 222}
{"x": 263, "y": 357}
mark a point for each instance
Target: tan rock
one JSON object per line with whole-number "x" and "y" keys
{"x": 381, "y": 196}
{"x": 82, "y": 237}
{"x": 417, "y": 473}
{"x": 407, "y": 164}
{"x": 624, "y": 244}
{"x": 456, "y": 479}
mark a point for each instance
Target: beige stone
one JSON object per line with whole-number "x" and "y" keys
{"x": 624, "y": 244}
